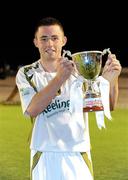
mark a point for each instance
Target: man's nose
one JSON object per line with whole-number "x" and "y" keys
{"x": 50, "y": 41}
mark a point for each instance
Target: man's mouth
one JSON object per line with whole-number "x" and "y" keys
{"x": 50, "y": 51}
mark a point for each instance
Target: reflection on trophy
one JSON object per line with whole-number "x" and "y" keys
{"x": 88, "y": 65}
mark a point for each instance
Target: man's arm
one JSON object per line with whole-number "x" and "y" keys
{"x": 111, "y": 72}
{"x": 114, "y": 91}
{"x": 43, "y": 98}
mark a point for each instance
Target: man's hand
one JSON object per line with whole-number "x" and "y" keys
{"x": 112, "y": 68}
{"x": 64, "y": 68}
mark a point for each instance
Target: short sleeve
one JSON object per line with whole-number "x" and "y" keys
{"x": 26, "y": 91}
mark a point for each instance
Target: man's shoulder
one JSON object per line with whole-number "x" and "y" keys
{"x": 26, "y": 68}
{"x": 30, "y": 66}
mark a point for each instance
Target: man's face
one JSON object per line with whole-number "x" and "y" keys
{"x": 50, "y": 40}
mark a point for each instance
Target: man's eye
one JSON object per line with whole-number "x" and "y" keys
{"x": 44, "y": 39}
{"x": 47, "y": 38}
{"x": 54, "y": 38}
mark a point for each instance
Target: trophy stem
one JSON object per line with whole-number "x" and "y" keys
{"x": 92, "y": 99}
{"x": 90, "y": 93}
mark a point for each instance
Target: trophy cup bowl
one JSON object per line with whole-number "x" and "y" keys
{"x": 88, "y": 65}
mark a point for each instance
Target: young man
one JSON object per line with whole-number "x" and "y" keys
{"x": 60, "y": 144}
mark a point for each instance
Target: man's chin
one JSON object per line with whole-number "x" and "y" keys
{"x": 51, "y": 56}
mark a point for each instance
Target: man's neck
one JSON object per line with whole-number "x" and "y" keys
{"x": 48, "y": 66}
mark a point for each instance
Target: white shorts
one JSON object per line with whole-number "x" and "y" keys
{"x": 61, "y": 166}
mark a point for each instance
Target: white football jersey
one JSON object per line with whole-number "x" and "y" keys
{"x": 54, "y": 128}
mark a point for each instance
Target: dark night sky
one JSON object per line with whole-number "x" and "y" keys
{"x": 87, "y": 28}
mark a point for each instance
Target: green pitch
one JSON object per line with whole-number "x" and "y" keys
{"x": 109, "y": 146}
{"x": 14, "y": 149}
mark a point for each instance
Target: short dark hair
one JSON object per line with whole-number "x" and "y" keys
{"x": 48, "y": 21}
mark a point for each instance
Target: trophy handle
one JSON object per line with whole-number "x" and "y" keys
{"x": 67, "y": 53}
{"x": 105, "y": 51}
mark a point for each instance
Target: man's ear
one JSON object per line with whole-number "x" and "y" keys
{"x": 64, "y": 40}
{"x": 35, "y": 42}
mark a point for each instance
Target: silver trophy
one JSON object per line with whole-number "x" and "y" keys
{"x": 88, "y": 65}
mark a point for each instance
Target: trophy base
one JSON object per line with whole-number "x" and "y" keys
{"x": 92, "y": 109}
{"x": 92, "y": 104}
